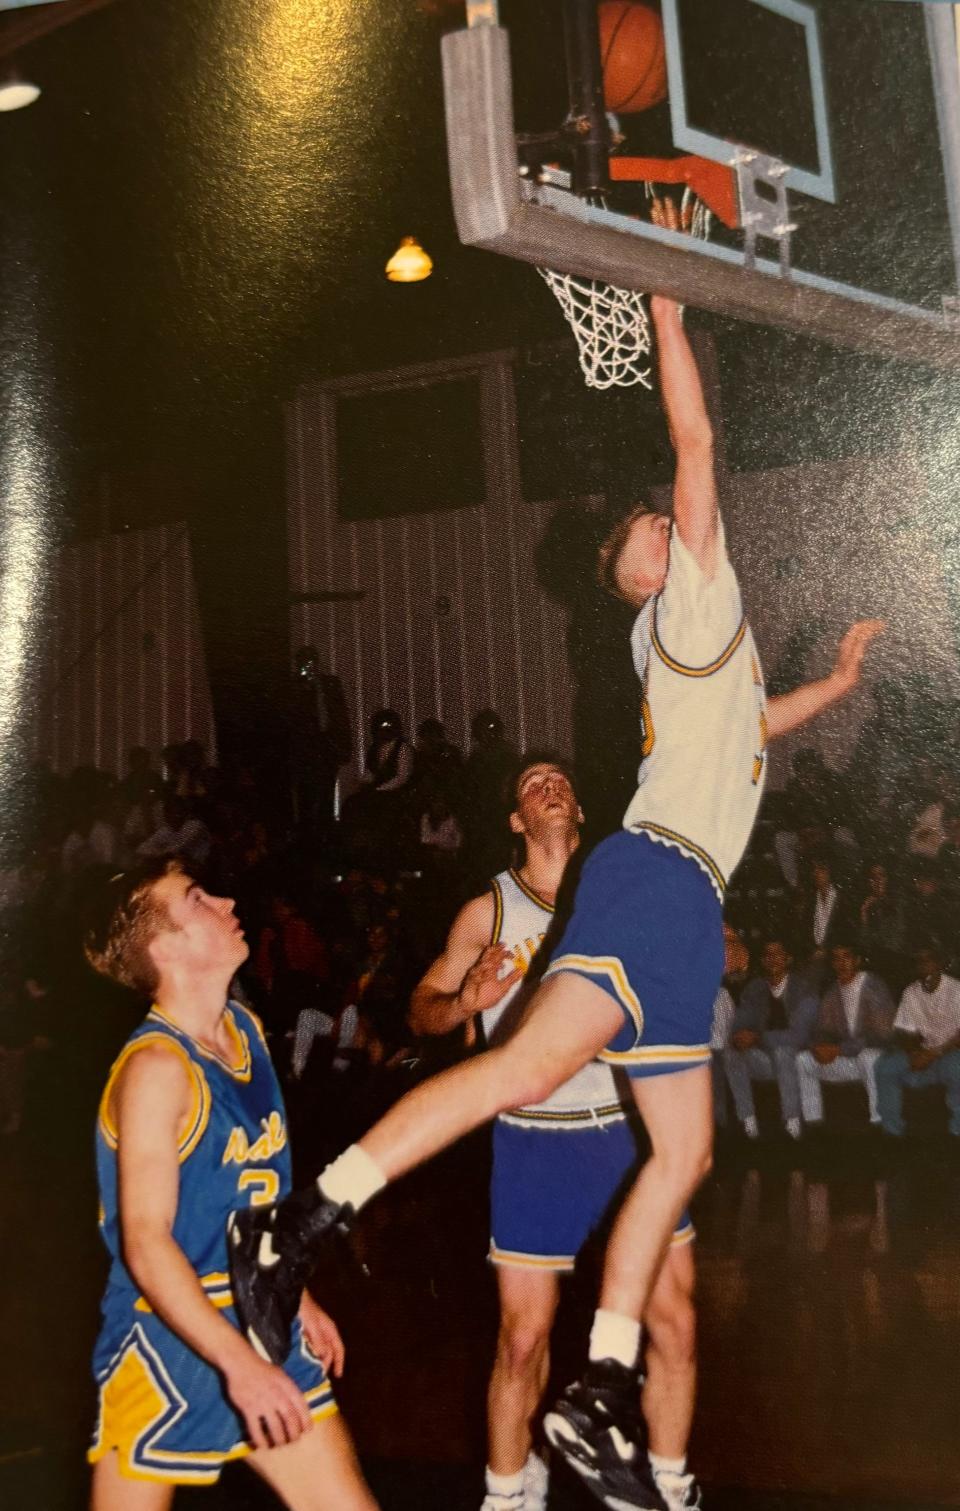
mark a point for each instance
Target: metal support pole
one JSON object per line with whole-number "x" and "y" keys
{"x": 586, "y": 124}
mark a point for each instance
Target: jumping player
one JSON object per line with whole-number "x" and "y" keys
{"x": 191, "y": 1125}
{"x": 557, "y": 1167}
{"x": 635, "y": 974}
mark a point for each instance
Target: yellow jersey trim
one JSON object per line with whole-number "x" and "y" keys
{"x": 696, "y": 671}
{"x": 603, "y": 965}
{"x": 497, "y": 911}
{"x": 243, "y": 1069}
{"x": 642, "y": 826}
{"x": 531, "y": 1261}
{"x": 584, "y": 1115}
{"x": 137, "y": 1394}
{"x": 197, "y": 1118}
{"x": 528, "y": 892}
{"x": 658, "y": 1054}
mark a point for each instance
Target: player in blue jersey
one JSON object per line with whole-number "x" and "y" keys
{"x": 191, "y": 1125}
{"x": 635, "y": 975}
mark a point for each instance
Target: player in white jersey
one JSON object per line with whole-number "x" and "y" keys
{"x": 558, "y": 1167}
{"x": 636, "y": 972}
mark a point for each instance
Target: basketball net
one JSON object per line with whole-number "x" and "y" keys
{"x": 611, "y": 325}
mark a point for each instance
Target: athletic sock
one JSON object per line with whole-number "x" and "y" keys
{"x": 353, "y": 1177}
{"x": 504, "y": 1490}
{"x": 614, "y": 1336}
{"x": 536, "y": 1481}
{"x": 660, "y": 1465}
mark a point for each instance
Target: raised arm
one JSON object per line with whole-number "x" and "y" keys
{"x": 465, "y": 979}
{"x": 790, "y": 710}
{"x": 695, "y": 512}
{"x": 150, "y": 1104}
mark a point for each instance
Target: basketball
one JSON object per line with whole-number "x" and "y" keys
{"x": 634, "y": 60}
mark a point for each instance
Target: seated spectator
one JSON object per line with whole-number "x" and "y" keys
{"x": 292, "y": 963}
{"x": 926, "y": 1049}
{"x": 882, "y": 924}
{"x": 852, "y": 1028}
{"x": 724, "y": 1008}
{"x": 437, "y": 764}
{"x": 929, "y": 911}
{"x": 141, "y": 785}
{"x": 178, "y": 835}
{"x": 928, "y": 831}
{"x": 439, "y": 830}
{"x": 736, "y": 960}
{"x": 770, "y": 1026}
{"x": 821, "y": 914}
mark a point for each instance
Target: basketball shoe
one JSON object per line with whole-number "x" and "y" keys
{"x": 680, "y": 1491}
{"x": 597, "y": 1428}
{"x": 272, "y": 1253}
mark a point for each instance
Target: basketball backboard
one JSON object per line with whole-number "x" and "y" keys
{"x": 839, "y": 121}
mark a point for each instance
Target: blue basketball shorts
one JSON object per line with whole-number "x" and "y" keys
{"x": 165, "y": 1410}
{"x": 552, "y": 1187}
{"x": 647, "y": 927}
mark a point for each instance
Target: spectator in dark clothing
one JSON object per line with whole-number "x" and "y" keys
{"x": 489, "y": 769}
{"x": 770, "y": 1026}
{"x": 821, "y": 912}
{"x": 882, "y": 926}
{"x": 929, "y": 910}
{"x": 852, "y": 1029}
{"x": 319, "y": 741}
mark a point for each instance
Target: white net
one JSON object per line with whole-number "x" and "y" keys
{"x": 611, "y": 324}
{"x": 611, "y": 327}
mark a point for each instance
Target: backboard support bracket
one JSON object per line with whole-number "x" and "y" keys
{"x": 533, "y": 222}
{"x": 765, "y": 214}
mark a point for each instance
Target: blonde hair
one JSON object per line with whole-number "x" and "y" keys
{"x": 127, "y": 917}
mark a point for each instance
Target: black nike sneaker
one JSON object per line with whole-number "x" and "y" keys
{"x": 272, "y": 1252}
{"x": 597, "y": 1427}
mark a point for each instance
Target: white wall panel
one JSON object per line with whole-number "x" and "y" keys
{"x": 126, "y": 662}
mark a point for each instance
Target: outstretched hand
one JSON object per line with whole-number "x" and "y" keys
{"x": 852, "y": 649}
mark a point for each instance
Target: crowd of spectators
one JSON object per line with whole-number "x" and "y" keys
{"x": 843, "y": 920}
{"x": 843, "y": 937}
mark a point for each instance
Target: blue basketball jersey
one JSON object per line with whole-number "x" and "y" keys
{"x": 160, "y": 1406}
{"x": 233, "y": 1150}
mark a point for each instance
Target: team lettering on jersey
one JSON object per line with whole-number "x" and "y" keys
{"x": 524, "y": 952}
{"x": 240, "y": 1151}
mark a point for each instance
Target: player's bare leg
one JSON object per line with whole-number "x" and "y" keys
{"x": 112, "y": 1491}
{"x": 319, "y": 1472}
{"x": 670, "y": 1387}
{"x": 569, "y": 1019}
{"x": 678, "y": 1113}
{"x": 273, "y": 1249}
{"x": 528, "y": 1305}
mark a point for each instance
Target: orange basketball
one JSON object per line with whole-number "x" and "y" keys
{"x": 634, "y": 60}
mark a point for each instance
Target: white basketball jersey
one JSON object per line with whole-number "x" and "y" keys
{"x": 704, "y": 715}
{"x": 521, "y": 920}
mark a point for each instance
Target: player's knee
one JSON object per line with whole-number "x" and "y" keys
{"x": 522, "y": 1345}
{"x": 688, "y": 1161}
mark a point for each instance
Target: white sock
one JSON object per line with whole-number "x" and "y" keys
{"x": 535, "y": 1471}
{"x": 614, "y": 1336}
{"x": 508, "y": 1486}
{"x": 660, "y": 1465}
{"x": 353, "y": 1177}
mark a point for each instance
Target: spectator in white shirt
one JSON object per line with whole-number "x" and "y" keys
{"x": 853, "y": 1026}
{"x": 927, "y": 1037}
